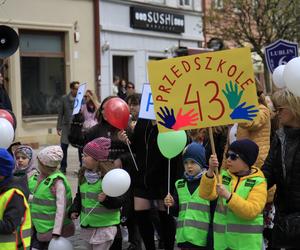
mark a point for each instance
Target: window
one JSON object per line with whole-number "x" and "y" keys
{"x": 42, "y": 72}
{"x": 185, "y": 3}
{"x": 218, "y": 4}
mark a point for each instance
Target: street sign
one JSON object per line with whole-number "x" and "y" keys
{"x": 280, "y": 52}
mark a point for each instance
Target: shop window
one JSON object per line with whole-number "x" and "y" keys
{"x": 42, "y": 72}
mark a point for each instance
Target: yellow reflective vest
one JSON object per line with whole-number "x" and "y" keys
{"x": 22, "y": 236}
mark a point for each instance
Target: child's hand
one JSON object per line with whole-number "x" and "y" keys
{"x": 101, "y": 197}
{"x": 213, "y": 164}
{"x": 122, "y": 136}
{"x": 169, "y": 201}
{"x": 74, "y": 216}
{"x": 223, "y": 192}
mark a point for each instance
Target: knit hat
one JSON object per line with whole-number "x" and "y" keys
{"x": 7, "y": 163}
{"x": 51, "y": 156}
{"x": 24, "y": 150}
{"x": 98, "y": 148}
{"x": 195, "y": 152}
{"x": 246, "y": 149}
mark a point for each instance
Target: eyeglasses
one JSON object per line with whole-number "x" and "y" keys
{"x": 279, "y": 109}
{"x": 130, "y": 87}
{"x": 232, "y": 156}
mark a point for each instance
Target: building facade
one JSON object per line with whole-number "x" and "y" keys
{"x": 56, "y": 46}
{"x": 134, "y": 32}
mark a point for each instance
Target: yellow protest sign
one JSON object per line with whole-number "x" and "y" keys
{"x": 198, "y": 91}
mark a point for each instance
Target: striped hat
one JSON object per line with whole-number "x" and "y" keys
{"x": 98, "y": 148}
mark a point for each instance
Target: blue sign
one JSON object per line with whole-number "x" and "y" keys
{"x": 280, "y": 52}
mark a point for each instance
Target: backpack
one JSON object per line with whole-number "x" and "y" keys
{"x": 76, "y": 137}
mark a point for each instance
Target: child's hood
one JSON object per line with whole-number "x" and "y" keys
{"x": 255, "y": 172}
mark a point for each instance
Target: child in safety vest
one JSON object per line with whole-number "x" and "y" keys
{"x": 52, "y": 198}
{"x": 15, "y": 221}
{"x": 99, "y": 213}
{"x": 194, "y": 213}
{"x": 243, "y": 193}
{"x": 25, "y": 166}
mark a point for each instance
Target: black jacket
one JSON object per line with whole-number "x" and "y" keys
{"x": 15, "y": 209}
{"x": 152, "y": 175}
{"x": 285, "y": 148}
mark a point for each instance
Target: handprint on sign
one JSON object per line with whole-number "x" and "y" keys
{"x": 241, "y": 112}
{"x": 167, "y": 117}
{"x": 233, "y": 95}
{"x": 181, "y": 120}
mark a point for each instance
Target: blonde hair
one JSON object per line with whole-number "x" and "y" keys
{"x": 285, "y": 98}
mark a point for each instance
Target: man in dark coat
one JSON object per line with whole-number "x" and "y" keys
{"x": 64, "y": 121}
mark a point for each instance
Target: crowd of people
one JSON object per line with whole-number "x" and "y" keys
{"x": 244, "y": 197}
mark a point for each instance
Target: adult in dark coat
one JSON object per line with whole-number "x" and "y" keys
{"x": 150, "y": 183}
{"x": 64, "y": 121}
{"x": 282, "y": 166}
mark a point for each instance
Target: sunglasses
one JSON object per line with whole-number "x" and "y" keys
{"x": 232, "y": 156}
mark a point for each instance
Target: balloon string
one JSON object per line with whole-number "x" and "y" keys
{"x": 169, "y": 173}
{"x": 89, "y": 213}
{"x": 132, "y": 156}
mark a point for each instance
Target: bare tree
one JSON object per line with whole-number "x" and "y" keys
{"x": 256, "y": 22}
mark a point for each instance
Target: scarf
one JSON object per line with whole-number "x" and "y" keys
{"x": 194, "y": 177}
{"x": 91, "y": 177}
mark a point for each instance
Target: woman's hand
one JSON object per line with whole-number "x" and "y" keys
{"x": 101, "y": 197}
{"x": 122, "y": 136}
{"x": 223, "y": 192}
{"x": 169, "y": 201}
{"x": 213, "y": 164}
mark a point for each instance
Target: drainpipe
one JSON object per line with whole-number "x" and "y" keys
{"x": 97, "y": 48}
{"x": 204, "y": 22}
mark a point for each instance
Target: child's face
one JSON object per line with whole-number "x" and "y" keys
{"x": 191, "y": 167}
{"x": 234, "y": 163}
{"x": 22, "y": 160}
{"x": 89, "y": 162}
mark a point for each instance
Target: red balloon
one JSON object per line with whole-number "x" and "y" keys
{"x": 116, "y": 112}
{"x": 6, "y": 115}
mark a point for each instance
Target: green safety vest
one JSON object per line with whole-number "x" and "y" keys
{"x": 93, "y": 213}
{"x": 32, "y": 182}
{"x": 194, "y": 216}
{"x": 21, "y": 238}
{"x": 43, "y": 205}
{"x": 231, "y": 231}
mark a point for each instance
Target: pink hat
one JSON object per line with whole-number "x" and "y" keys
{"x": 98, "y": 148}
{"x": 51, "y": 156}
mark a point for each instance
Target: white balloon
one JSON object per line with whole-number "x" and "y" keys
{"x": 278, "y": 76}
{"x": 6, "y": 133}
{"x": 291, "y": 75}
{"x": 60, "y": 243}
{"x": 116, "y": 182}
